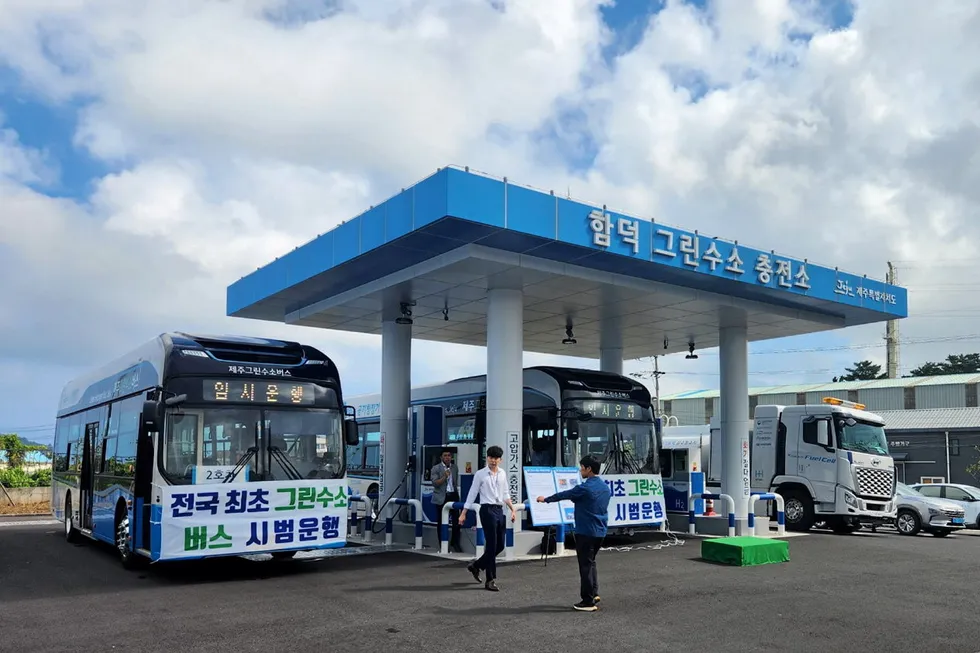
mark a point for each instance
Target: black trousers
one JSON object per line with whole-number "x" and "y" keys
{"x": 586, "y": 548}
{"x": 494, "y": 532}
{"x": 451, "y": 497}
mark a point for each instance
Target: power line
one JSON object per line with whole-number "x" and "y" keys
{"x": 29, "y": 428}
{"x": 974, "y": 337}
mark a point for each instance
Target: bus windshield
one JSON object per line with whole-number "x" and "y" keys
{"x": 202, "y": 446}
{"x": 621, "y": 447}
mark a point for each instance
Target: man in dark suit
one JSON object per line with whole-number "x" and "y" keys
{"x": 445, "y": 487}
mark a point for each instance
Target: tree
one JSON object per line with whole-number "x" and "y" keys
{"x": 861, "y": 371}
{"x": 954, "y": 364}
{"x": 973, "y": 469}
{"x": 17, "y": 449}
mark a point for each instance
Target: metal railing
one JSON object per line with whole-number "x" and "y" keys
{"x": 389, "y": 518}
{"x": 780, "y": 512}
{"x": 706, "y": 495}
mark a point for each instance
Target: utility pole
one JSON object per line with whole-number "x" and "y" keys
{"x": 891, "y": 334}
{"x": 656, "y": 379}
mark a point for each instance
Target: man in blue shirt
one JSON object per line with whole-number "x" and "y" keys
{"x": 591, "y": 499}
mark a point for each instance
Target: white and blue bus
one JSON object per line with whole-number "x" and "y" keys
{"x": 567, "y": 414}
{"x": 199, "y": 446}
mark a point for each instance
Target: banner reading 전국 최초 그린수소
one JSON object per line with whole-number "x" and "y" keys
{"x": 247, "y": 518}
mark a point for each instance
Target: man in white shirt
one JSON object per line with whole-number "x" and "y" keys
{"x": 490, "y": 485}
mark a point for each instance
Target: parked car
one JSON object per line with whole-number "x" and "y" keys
{"x": 965, "y": 496}
{"x": 917, "y": 512}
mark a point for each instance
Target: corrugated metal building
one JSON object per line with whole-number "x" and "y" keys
{"x": 921, "y": 392}
{"x": 934, "y": 444}
{"x": 921, "y": 415}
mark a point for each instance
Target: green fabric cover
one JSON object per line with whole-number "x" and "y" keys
{"x": 745, "y": 551}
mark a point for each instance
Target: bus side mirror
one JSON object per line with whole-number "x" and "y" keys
{"x": 350, "y": 433}
{"x": 571, "y": 429}
{"x": 151, "y": 416}
{"x": 823, "y": 433}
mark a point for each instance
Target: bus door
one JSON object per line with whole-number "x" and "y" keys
{"x": 86, "y": 483}
{"x": 142, "y": 487}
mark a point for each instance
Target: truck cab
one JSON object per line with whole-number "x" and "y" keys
{"x": 829, "y": 461}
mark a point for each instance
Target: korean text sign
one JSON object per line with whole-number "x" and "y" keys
{"x": 635, "y": 499}
{"x": 728, "y": 259}
{"x": 245, "y": 518}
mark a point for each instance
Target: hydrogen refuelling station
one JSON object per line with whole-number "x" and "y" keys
{"x": 461, "y": 257}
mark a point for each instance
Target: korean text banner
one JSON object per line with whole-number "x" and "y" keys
{"x": 636, "y": 499}
{"x": 246, "y": 518}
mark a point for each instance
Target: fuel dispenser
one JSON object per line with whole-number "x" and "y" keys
{"x": 428, "y": 435}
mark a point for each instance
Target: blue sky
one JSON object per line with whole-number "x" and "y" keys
{"x": 226, "y": 166}
{"x": 51, "y": 128}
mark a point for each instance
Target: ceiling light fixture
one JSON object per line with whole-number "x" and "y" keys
{"x": 692, "y": 355}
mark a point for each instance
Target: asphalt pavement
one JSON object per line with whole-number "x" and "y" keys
{"x": 863, "y": 592}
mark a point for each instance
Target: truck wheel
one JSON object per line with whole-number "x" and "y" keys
{"x": 907, "y": 522}
{"x": 798, "y": 509}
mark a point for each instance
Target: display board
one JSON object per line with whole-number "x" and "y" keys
{"x": 635, "y": 499}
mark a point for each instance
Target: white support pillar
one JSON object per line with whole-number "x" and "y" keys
{"x": 611, "y": 359}
{"x": 505, "y": 382}
{"x": 610, "y": 341}
{"x": 396, "y": 390}
{"x": 734, "y": 369}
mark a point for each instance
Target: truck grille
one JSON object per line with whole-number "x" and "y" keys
{"x": 874, "y": 482}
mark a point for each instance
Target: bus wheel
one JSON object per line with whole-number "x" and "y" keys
{"x": 126, "y": 555}
{"x": 71, "y": 533}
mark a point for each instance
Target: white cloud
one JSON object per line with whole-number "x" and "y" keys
{"x": 243, "y": 129}
{"x": 22, "y": 164}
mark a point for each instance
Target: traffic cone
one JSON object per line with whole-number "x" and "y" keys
{"x": 710, "y": 508}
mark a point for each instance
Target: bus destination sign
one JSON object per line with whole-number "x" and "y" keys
{"x": 234, "y": 391}
{"x": 605, "y": 409}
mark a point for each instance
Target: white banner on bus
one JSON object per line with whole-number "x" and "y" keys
{"x": 246, "y": 518}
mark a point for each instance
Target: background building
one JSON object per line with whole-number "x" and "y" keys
{"x": 912, "y": 393}
{"x": 933, "y": 422}
{"x": 935, "y": 444}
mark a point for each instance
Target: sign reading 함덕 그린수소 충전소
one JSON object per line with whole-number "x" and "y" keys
{"x": 716, "y": 257}
{"x": 634, "y": 498}
{"x": 244, "y": 518}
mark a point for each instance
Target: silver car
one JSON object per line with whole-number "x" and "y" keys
{"x": 920, "y": 513}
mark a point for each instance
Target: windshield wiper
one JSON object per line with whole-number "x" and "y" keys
{"x": 285, "y": 463}
{"x": 624, "y": 460}
{"x": 240, "y": 465}
{"x": 865, "y": 447}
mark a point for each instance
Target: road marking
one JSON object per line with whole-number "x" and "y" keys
{"x": 33, "y": 522}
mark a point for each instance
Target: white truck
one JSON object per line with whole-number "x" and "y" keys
{"x": 829, "y": 461}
